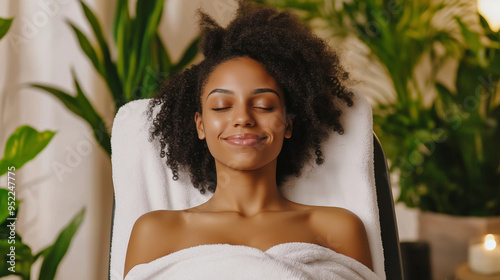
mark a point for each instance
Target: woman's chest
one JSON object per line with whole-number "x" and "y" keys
{"x": 262, "y": 231}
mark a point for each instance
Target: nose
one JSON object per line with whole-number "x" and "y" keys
{"x": 242, "y": 117}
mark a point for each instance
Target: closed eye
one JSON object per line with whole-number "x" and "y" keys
{"x": 262, "y": 108}
{"x": 219, "y": 109}
{"x": 266, "y": 108}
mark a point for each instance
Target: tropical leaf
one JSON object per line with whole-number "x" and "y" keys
{"x": 81, "y": 106}
{"x": 87, "y": 48}
{"x": 122, "y": 36}
{"x": 68, "y": 100}
{"x": 55, "y": 253}
{"x": 23, "y": 259}
{"x": 188, "y": 56}
{"x": 145, "y": 26}
{"x": 42, "y": 253}
{"x": 161, "y": 56}
{"x": 22, "y": 146}
{"x": 109, "y": 73}
{"x": 473, "y": 42}
{"x": 90, "y": 115}
{"x": 5, "y": 24}
{"x": 4, "y": 211}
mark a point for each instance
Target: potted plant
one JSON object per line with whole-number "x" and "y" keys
{"x": 460, "y": 176}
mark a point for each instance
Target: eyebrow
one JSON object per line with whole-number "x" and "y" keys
{"x": 255, "y": 91}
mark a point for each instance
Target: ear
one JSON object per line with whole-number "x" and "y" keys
{"x": 199, "y": 126}
{"x": 288, "y": 128}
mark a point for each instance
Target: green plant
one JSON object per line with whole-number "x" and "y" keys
{"x": 142, "y": 61}
{"x": 461, "y": 172}
{"x": 21, "y": 147}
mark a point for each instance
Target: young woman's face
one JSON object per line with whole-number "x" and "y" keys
{"x": 243, "y": 115}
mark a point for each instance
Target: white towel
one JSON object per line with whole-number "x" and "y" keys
{"x": 143, "y": 183}
{"x": 286, "y": 261}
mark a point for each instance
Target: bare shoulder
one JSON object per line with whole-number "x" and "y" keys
{"x": 342, "y": 231}
{"x": 334, "y": 216}
{"x": 152, "y": 236}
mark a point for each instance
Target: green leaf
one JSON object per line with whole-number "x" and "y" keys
{"x": 148, "y": 15}
{"x": 188, "y": 56}
{"x": 42, "y": 253}
{"x": 473, "y": 41}
{"x": 96, "y": 27}
{"x": 4, "y": 211}
{"x": 121, "y": 17}
{"x": 468, "y": 83}
{"x": 485, "y": 25}
{"x": 87, "y": 48}
{"x": 68, "y": 100}
{"x": 122, "y": 36}
{"x": 22, "y": 146}
{"x": 162, "y": 56}
{"x": 81, "y": 106}
{"x": 56, "y": 252}
{"x": 90, "y": 115}
{"x": 23, "y": 261}
{"x": 109, "y": 73}
{"x": 5, "y": 24}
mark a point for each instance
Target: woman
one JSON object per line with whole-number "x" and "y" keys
{"x": 241, "y": 122}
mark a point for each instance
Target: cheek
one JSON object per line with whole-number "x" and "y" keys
{"x": 277, "y": 123}
{"x": 214, "y": 127}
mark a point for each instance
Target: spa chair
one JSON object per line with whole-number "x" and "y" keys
{"x": 354, "y": 176}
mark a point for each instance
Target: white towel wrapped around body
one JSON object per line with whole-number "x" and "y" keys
{"x": 285, "y": 261}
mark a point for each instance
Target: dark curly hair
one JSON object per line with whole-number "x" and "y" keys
{"x": 303, "y": 65}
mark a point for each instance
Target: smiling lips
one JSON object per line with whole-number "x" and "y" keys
{"x": 245, "y": 139}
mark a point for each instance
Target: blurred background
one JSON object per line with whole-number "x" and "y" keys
{"x": 430, "y": 69}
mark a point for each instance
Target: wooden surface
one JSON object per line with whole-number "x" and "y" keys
{"x": 464, "y": 273}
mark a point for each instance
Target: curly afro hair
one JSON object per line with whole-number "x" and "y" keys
{"x": 303, "y": 65}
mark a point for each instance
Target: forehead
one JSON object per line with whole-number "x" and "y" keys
{"x": 241, "y": 73}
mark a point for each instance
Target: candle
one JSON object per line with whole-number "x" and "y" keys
{"x": 484, "y": 256}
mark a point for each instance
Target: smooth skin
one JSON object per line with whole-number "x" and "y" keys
{"x": 240, "y": 96}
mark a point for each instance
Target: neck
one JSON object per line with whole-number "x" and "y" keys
{"x": 247, "y": 192}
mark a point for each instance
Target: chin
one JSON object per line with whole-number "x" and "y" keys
{"x": 244, "y": 166}
{"x": 246, "y": 163}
